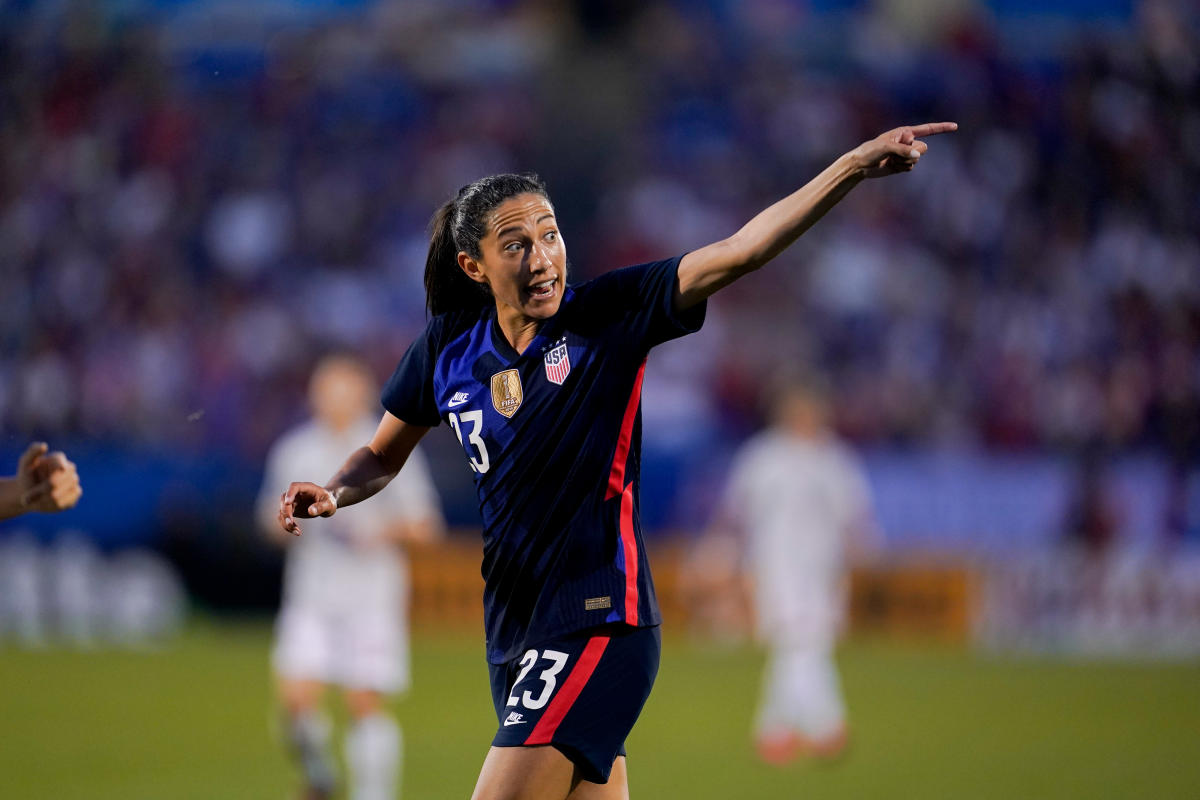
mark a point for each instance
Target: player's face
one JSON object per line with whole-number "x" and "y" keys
{"x": 802, "y": 413}
{"x": 522, "y": 257}
{"x": 340, "y": 392}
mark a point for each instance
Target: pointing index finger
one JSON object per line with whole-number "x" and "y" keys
{"x": 933, "y": 128}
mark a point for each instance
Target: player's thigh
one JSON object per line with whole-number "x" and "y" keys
{"x": 299, "y": 695}
{"x": 525, "y": 773}
{"x": 617, "y": 787}
{"x": 304, "y": 646}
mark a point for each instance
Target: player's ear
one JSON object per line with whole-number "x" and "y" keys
{"x": 471, "y": 266}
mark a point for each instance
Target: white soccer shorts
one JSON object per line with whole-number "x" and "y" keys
{"x": 356, "y": 651}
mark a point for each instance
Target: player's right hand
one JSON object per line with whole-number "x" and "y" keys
{"x": 48, "y": 481}
{"x": 897, "y": 150}
{"x": 303, "y": 500}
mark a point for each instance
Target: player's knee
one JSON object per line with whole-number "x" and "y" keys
{"x": 300, "y": 697}
{"x": 363, "y": 703}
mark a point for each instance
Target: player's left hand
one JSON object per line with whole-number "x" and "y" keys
{"x": 897, "y": 150}
{"x": 49, "y": 481}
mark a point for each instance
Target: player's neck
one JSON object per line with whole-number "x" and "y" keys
{"x": 517, "y": 328}
{"x": 806, "y": 434}
{"x": 338, "y": 425}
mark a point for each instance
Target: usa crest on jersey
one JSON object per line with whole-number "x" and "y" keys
{"x": 558, "y": 362}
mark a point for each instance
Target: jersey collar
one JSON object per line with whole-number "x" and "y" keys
{"x": 546, "y": 333}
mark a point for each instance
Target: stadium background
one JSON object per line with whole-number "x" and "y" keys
{"x": 199, "y": 198}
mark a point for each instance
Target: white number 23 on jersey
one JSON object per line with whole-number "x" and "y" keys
{"x": 480, "y": 464}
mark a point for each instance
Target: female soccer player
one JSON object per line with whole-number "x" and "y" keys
{"x": 344, "y": 617}
{"x": 541, "y": 384}
{"x": 798, "y": 502}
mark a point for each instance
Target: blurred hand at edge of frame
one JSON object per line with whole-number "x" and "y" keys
{"x": 48, "y": 480}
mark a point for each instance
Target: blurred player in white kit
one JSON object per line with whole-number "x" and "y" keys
{"x": 798, "y": 501}
{"x": 344, "y": 616}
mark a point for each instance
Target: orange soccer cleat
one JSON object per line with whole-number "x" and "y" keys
{"x": 780, "y": 748}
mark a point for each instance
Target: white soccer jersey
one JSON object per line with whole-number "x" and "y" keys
{"x": 795, "y": 501}
{"x": 344, "y": 561}
{"x": 344, "y": 613}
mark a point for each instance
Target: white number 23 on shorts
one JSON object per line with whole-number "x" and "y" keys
{"x": 558, "y": 661}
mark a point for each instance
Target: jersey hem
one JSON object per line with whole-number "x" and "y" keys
{"x": 654, "y": 621}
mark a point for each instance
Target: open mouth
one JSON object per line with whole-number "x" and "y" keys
{"x": 543, "y": 290}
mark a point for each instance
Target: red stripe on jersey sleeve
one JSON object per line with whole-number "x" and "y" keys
{"x": 616, "y": 476}
{"x": 629, "y": 546}
{"x": 543, "y": 732}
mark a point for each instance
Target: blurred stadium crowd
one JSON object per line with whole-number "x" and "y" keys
{"x": 187, "y": 217}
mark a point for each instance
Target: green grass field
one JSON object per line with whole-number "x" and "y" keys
{"x": 193, "y": 721}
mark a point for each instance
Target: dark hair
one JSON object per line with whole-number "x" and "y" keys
{"x": 458, "y": 226}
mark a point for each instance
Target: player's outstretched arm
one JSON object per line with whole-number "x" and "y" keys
{"x": 10, "y": 498}
{"x": 366, "y": 471}
{"x": 44, "y": 482}
{"x": 704, "y": 271}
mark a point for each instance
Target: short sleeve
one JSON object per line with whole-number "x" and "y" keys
{"x": 854, "y": 491}
{"x": 644, "y": 298}
{"x": 737, "y": 499}
{"x": 408, "y": 394}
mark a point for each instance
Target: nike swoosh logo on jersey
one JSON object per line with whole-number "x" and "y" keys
{"x": 458, "y": 399}
{"x": 515, "y": 719}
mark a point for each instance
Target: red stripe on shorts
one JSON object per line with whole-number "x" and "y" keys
{"x": 629, "y": 547}
{"x": 616, "y": 476}
{"x": 543, "y": 732}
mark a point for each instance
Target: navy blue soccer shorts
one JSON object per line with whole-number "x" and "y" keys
{"x": 580, "y": 693}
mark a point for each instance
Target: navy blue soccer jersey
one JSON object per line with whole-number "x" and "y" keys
{"x": 553, "y": 436}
